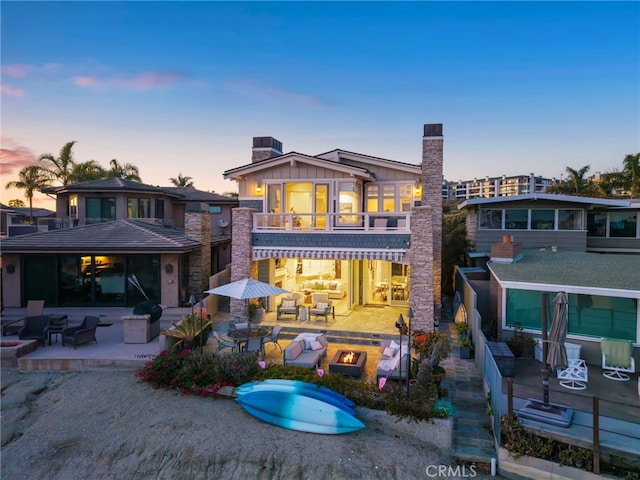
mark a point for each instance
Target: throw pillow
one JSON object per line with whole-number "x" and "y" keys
{"x": 389, "y": 352}
{"x": 395, "y": 345}
{"x": 333, "y": 286}
{"x": 316, "y": 345}
{"x": 322, "y": 305}
{"x": 288, "y": 303}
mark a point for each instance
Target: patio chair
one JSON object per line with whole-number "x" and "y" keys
{"x": 288, "y": 306}
{"x": 34, "y": 308}
{"x": 575, "y": 376}
{"x": 223, "y": 342}
{"x": 617, "y": 359}
{"x": 35, "y": 328}
{"x": 321, "y": 306}
{"x": 273, "y": 337}
{"x": 83, "y": 333}
{"x": 254, "y": 344}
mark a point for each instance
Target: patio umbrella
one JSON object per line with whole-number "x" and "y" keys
{"x": 247, "y": 288}
{"x": 556, "y": 350}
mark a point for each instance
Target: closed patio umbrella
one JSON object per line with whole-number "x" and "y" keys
{"x": 556, "y": 350}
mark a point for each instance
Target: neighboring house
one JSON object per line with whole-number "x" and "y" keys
{"x": 171, "y": 238}
{"x": 587, "y": 247}
{"x": 363, "y": 229}
{"x": 17, "y": 220}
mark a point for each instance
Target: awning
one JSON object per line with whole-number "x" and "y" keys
{"x": 388, "y": 254}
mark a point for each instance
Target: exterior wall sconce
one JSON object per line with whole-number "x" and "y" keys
{"x": 417, "y": 189}
{"x": 11, "y": 268}
{"x": 168, "y": 268}
{"x": 259, "y": 188}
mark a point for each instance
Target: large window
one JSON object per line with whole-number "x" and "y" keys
{"x": 613, "y": 224}
{"x": 100, "y": 209}
{"x": 623, "y": 224}
{"x": 542, "y": 219}
{"x": 139, "y": 208}
{"x": 390, "y": 197}
{"x": 569, "y": 219}
{"x": 516, "y": 219}
{"x": 589, "y": 315}
{"x": 490, "y": 219}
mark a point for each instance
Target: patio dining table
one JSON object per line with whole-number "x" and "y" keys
{"x": 241, "y": 335}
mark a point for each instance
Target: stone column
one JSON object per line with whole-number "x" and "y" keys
{"x": 197, "y": 225}
{"x": 432, "y": 159}
{"x": 242, "y": 266}
{"x": 421, "y": 288}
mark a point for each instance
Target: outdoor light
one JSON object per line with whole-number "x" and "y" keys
{"x": 402, "y": 328}
{"x": 410, "y": 315}
{"x": 259, "y": 188}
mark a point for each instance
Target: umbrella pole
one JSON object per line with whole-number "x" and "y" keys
{"x": 545, "y": 372}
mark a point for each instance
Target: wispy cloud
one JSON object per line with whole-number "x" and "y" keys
{"x": 22, "y": 70}
{"x": 11, "y": 91}
{"x": 14, "y": 157}
{"x": 143, "y": 81}
{"x": 261, "y": 90}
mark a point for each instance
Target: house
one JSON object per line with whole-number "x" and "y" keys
{"x": 364, "y": 229}
{"x": 172, "y": 239}
{"x": 502, "y": 186}
{"x": 536, "y": 244}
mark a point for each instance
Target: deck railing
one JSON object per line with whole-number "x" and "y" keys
{"x": 387, "y": 222}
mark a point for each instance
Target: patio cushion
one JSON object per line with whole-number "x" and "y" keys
{"x": 293, "y": 350}
{"x": 322, "y": 305}
{"x": 316, "y": 345}
{"x": 288, "y": 303}
{"x": 389, "y": 352}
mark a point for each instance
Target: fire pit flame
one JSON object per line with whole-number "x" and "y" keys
{"x": 349, "y": 357}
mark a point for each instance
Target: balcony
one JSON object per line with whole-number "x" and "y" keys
{"x": 388, "y": 222}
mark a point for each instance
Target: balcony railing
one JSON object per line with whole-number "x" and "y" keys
{"x": 387, "y": 222}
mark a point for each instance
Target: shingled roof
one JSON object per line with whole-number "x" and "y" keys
{"x": 122, "y": 236}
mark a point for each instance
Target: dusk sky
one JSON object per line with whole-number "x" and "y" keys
{"x": 182, "y": 87}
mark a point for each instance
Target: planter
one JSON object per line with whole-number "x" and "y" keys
{"x": 465, "y": 352}
{"x": 532, "y": 467}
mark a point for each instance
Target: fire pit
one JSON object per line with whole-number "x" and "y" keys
{"x": 348, "y": 362}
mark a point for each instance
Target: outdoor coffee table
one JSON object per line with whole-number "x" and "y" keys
{"x": 57, "y": 323}
{"x": 348, "y": 362}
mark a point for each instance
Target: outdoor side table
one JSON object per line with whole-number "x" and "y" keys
{"x": 57, "y": 323}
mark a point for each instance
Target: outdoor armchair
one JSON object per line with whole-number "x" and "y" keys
{"x": 288, "y": 306}
{"x": 321, "y": 306}
{"x": 83, "y": 333}
{"x": 617, "y": 359}
{"x": 35, "y": 328}
{"x": 34, "y": 308}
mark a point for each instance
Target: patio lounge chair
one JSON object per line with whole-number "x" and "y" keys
{"x": 35, "y": 328}
{"x": 34, "y": 308}
{"x": 321, "y": 306}
{"x": 617, "y": 359}
{"x": 83, "y": 333}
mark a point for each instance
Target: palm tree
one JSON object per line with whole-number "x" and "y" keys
{"x": 576, "y": 179}
{"x": 31, "y": 179}
{"x": 87, "y": 171}
{"x": 62, "y": 165}
{"x": 127, "y": 171}
{"x": 631, "y": 171}
{"x": 182, "y": 181}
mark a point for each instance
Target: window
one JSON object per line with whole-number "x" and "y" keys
{"x": 348, "y": 201}
{"x": 215, "y": 209}
{"x": 490, "y": 219}
{"x": 101, "y": 209}
{"x": 569, "y": 219}
{"x": 160, "y": 208}
{"x": 623, "y": 224}
{"x": 516, "y": 219}
{"x": 597, "y": 225}
{"x": 589, "y": 315}
{"x": 542, "y": 219}
{"x": 138, "y": 208}
{"x": 390, "y": 197}
{"x": 73, "y": 206}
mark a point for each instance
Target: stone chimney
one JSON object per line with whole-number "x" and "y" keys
{"x": 265, "y": 148}
{"x": 506, "y": 251}
{"x": 431, "y": 179}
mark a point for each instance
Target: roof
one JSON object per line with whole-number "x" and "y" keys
{"x": 134, "y": 236}
{"x": 189, "y": 194}
{"x": 293, "y": 157}
{"x": 26, "y": 211}
{"x": 572, "y": 269}
{"x": 605, "y": 202}
{"x": 105, "y": 184}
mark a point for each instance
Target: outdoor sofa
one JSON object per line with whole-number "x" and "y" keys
{"x": 306, "y": 350}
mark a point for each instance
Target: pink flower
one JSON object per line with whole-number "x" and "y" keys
{"x": 382, "y": 382}
{"x": 320, "y": 371}
{"x": 263, "y": 365}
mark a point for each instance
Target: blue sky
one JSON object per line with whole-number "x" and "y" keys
{"x": 182, "y": 87}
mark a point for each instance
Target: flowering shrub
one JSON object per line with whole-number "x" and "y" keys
{"x": 434, "y": 346}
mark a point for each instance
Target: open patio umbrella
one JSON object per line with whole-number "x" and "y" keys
{"x": 247, "y": 288}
